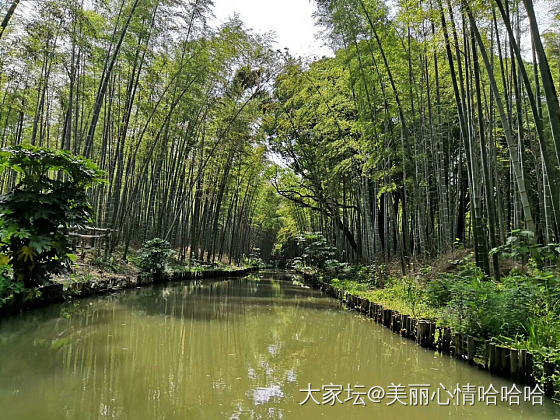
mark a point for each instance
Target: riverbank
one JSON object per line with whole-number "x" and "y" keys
{"x": 395, "y": 303}
{"x": 95, "y": 279}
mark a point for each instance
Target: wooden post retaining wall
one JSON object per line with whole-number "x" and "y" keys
{"x": 509, "y": 363}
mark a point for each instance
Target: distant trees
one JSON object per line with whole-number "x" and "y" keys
{"x": 430, "y": 127}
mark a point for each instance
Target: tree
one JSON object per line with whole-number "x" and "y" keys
{"x": 8, "y": 16}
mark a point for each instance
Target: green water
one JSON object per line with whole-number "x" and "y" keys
{"x": 240, "y": 348}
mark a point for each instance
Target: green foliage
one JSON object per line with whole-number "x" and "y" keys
{"x": 312, "y": 126}
{"x": 254, "y": 259}
{"x": 375, "y": 275}
{"x": 439, "y": 291}
{"x": 49, "y": 199}
{"x": 7, "y": 285}
{"x": 316, "y": 250}
{"x": 406, "y": 295}
{"x": 154, "y": 256}
{"x": 522, "y": 309}
{"x": 108, "y": 264}
{"x": 520, "y": 245}
{"x": 369, "y": 275}
{"x": 471, "y": 304}
{"x": 408, "y": 290}
{"x": 297, "y": 263}
{"x": 350, "y": 286}
{"x": 337, "y": 268}
{"x": 543, "y": 331}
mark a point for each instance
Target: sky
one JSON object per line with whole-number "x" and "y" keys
{"x": 294, "y": 25}
{"x": 291, "y": 20}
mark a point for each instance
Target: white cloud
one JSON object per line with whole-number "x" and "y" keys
{"x": 291, "y": 20}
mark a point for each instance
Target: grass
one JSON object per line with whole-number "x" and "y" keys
{"x": 395, "y": 295}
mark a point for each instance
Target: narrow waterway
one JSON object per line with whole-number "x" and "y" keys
{"x": 239, "y": 348}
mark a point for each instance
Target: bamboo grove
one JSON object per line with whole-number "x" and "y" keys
{"x": 436, "y": 124}
{"x": 166, "y": 105}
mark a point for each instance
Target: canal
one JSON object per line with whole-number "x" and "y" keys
{"x": 237, "y": 348}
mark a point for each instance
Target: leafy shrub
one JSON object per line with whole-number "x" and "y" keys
{"x": 49, "y": 199}
{"x": 154, "y": 257}
{"x": 543, "y": 331}
{"x": 254, "y": 259}
{"x": 487, "y": 309}
{"x": 374, "y": 275}
{"x": 521, "y": 246}
{"x": 7, "y": 286}
{"x": 334, "y": 268}
{"x": 549, "y": 286}
{"x": 406, "y": 295}
{"x": 369, "y": 275}
{"x": 316, "y": 250}
{"x": 297, "y": 263}
{"x": 438, "y": 291}
{"x": 110, "y": 264}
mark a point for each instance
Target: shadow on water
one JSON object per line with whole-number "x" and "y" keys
{"x": 237, "y": 348}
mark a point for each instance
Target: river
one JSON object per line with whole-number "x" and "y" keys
{"x": 239, "y": 348}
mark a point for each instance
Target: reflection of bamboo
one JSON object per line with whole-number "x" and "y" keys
{"x": 176, "y": 346}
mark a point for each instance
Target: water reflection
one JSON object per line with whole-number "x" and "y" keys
{"x": 241, "y": 348}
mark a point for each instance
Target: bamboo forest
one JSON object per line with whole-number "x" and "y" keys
{"x": 199, "y": 219}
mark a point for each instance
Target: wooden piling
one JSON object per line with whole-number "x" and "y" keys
{"x": 423, "y": 333}
{"x": 396, "y": 322}
{"x": 549, "y": 369}
{"x": 492, "y": 365}
{"x": 432, "y": 335}
{"x": 458, "y": 345}
{"x": 514, "y": 363}
{"x": 414, "y": 329}
{"x": 529, "y": 366}
{"x": 471, "y": 349}
{"x": 502, "y": 360}
{"x": 387, "y": 314}
{"x": 405, "y": 326}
